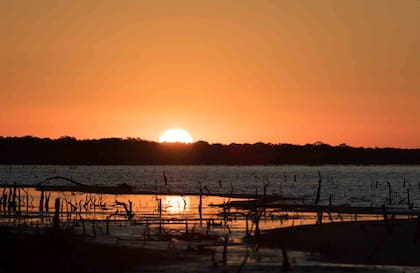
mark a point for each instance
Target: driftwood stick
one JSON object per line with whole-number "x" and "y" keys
{"x": 19, "y": 209}
{"x": 41, "y": 206}
{"x": 165, "y": 179}
{"x": 257, "y": 224}
{"x": 409, "y": 203}
{"x": 286, "y": 263}
{"x": 47, "y": 202}
{"x": 14, "y": 206}
{"x": 200, "y": 205}
{"x": 9, "y": 201}
{"x": 388, "y": 227}
{"x": 27, "y": 203}
{"x": 318, "y": 191}
{"x": 56, "y": 218}
{"x": 246, "y": 225}
{"x": 224, "y": 254}
{"x": 3, "y": 199}
{"x": 389, "y": 193}
{"x": 241, "y": 266}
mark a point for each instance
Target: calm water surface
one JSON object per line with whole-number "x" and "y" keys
{"x": 356, "y": 185}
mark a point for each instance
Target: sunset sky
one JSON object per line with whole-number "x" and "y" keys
{"x": 225, "y": 71}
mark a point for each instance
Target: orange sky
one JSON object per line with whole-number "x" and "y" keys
{"x": 226, "y": 71}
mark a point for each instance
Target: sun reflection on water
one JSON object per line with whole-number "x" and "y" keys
{"x": 177, "y": 204}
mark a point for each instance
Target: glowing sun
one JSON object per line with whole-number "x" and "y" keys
{"x": 176, "y": 135}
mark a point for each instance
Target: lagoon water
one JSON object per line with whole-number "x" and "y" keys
{"x": 355, "y": 185}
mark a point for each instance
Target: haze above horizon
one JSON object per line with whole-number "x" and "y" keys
{"x": 250, "y": 71}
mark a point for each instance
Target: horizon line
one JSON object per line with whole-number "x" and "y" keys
{"x": 316, "y": 143}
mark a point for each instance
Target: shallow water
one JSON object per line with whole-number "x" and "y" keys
{"x": 355, "y": 185}
{"x": 175, "y": 214}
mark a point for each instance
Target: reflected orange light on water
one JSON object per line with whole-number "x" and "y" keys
{"x": 177, "y": 204}
{"x": 147, "y": 207}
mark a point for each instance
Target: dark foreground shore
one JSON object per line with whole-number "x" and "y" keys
{"x": 65, "y": 252}
{"x": 361, "y": 242}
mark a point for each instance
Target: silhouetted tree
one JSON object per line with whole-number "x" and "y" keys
{"x": 69, "y": 150}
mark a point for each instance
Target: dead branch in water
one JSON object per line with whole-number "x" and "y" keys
{"x": 128, "y": 209}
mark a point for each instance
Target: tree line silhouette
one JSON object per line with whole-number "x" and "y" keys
{"x": 135, "y": 151}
